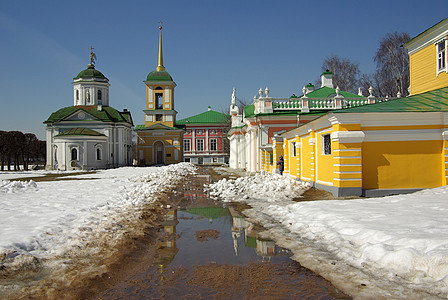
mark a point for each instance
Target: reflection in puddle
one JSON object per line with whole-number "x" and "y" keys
{"x": 210, "y": 251}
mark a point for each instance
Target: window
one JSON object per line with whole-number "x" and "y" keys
{"x": 441, "y": 56}
{"x": 200, "y": 145}
{"x": 159, "y": 98}
{"x": 187, "y": 145}
{"x": 326, "y": 142}
{"x": 213, "y": 145}
{"x": 98, "y": 153}
{"x": 74, "y": 154}
{"x": 159, "y": 118}
{"x": 271, "y": 158}
{"x": 293, "y": 149}
{"x": 77, "y": 94}
{"x": 99, "y": 95}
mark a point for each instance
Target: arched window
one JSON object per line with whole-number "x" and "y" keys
{"x": 159, "y": 98}
{"x": 77, "y": 94}
{"x": 74, "y": 154}
{"x": 99, "y": 95}
{"x": 98, "y": 153}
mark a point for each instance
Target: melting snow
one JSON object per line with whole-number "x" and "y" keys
{"x": 388, "y": 245}
{"x": 46, "y": 219}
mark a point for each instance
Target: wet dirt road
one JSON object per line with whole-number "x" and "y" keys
{"x": 207, "y": 250}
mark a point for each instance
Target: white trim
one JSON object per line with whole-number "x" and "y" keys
{"x": 347, "y": 150}
{"x": 324, "y": 130}
{"x": 341, "y": 157}
{"x": 325, "y": 182}
{"x": 347, "y": 172}
{"x": 348, "y": 179}
{"x": 306, "y": 178}
{"x": 347, "y": 165}
{"x": 348, "y": 136}
{"x": 403, "y": 135}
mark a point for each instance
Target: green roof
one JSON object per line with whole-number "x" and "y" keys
{"x": 90, "y": 72}
{"x": 326, "y": 72}
{"x": 106, "y": 114}
{"x": 80, "y": 131}
{"x": 249, "y": 110}
{"x": 426, "y": 31}
{"x": 432, "y": 101}
{"x": 208, "y": 117}
{"x": 325, "y": 92}
{"x": 159, "y": 76}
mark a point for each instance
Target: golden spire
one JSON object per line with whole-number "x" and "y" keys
{"x": 160, "y": 66}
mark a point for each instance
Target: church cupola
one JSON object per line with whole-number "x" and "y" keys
{"x": 91, "y": 87}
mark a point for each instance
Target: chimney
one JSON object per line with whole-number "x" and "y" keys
{"x": 327, "y": 79}
{"x": 309, "y": 88}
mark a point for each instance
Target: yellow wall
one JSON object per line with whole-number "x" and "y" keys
{"x": 347, "y": 164}
{"x": 423, "y": 71}
{"x": 403, "y": 164}
{"x": 306, "y": 162}
{"x": 168, "y": 140}
{"x": 324, "y": 163}
{"x": 292, "y": 160}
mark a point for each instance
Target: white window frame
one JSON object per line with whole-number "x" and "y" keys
{"x": 324, "y": 152}
{"x": 215, "y": 144}
{"x": 441, "y": 56}
{"x": 200, "y": 145}
{"x": 187, "y": 142}
{"x": 293, "y": 149}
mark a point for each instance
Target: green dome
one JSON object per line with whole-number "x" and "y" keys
{"x": 90, "y": 72}
{"x": 159, "y": 76}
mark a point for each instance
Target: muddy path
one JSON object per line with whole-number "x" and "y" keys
{"x": 185, "y": 245}
{"x": 208, "y": 250}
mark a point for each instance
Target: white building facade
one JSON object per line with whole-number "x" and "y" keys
{"x": 90, "y": 134}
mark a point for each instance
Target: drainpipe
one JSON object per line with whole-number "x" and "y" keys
{"x": 259, "y": 146}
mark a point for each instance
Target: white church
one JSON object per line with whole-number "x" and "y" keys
{"x": 90, "y": 134}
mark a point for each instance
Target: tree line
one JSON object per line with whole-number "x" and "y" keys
{"x": 392, "y": 69}
{"x": 18, "y": 148}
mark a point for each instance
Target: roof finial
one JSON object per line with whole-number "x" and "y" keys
{"x": 92, "y": 56}
{"x": 160, "y": 66}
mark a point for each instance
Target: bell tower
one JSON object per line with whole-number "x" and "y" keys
{"x": 159, "y": 141}
{"x": 160, "y": 94}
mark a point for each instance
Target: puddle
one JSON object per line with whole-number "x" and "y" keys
{"x": 208, "y": 250}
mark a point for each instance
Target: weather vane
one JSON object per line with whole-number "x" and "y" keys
{"x": 92, "y": 55}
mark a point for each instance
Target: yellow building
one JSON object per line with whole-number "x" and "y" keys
{"x": 159, "y": 140}
{"x": 428, "y": 59}
{"x": 391, "y": 147}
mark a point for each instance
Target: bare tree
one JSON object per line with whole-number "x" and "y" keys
{"x": 392, "y": 64}
{"x": 345, "y": 72}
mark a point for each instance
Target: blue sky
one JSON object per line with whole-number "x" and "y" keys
{"x": 209, "y": 47}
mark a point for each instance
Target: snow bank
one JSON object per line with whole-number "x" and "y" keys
{"x": 269, "y": 187}
{"x": 65, "y": 218}
{"x": 7, "y": 186}
{"x": 396, "y": 244}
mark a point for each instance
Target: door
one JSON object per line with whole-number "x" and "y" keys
{"x": 159, "y": 153}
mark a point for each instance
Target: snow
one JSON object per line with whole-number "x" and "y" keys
{"x": 389, "y": 246}
{"x": 48, "y": 219}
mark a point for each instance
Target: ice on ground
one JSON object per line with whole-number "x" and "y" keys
{"x": 397, "y": 242}
{"x": 48, "y": 219}
{"x": 269, "y": 187}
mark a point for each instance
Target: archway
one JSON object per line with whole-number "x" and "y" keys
{"x": 159, "y": 152}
